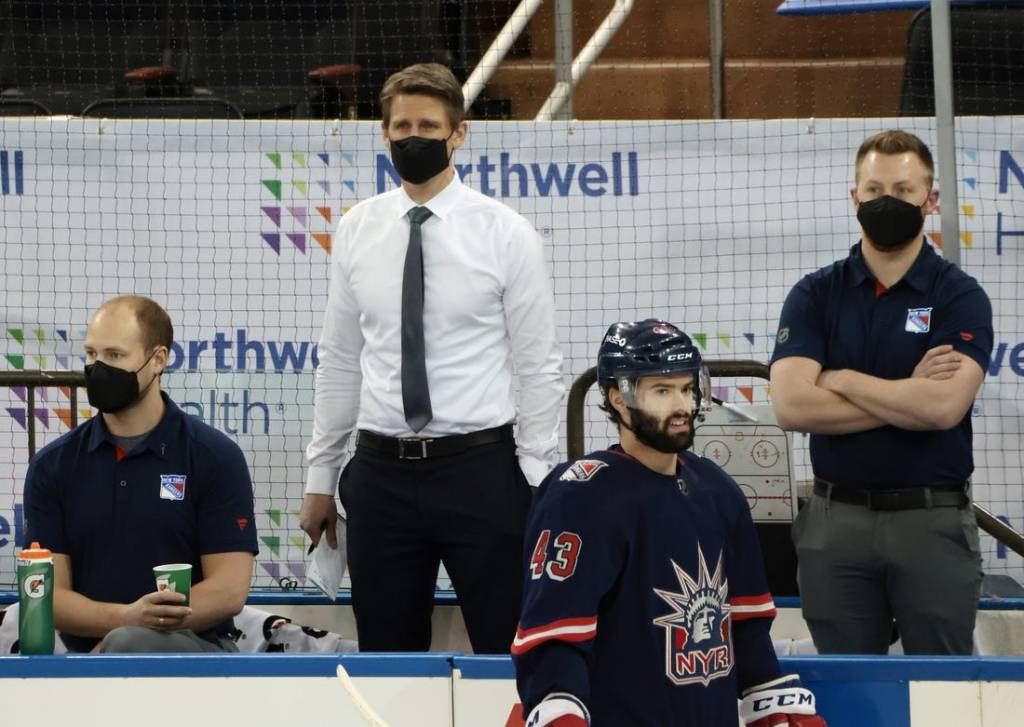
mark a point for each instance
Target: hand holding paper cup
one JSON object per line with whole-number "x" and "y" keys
{"x": 176, "y": 577}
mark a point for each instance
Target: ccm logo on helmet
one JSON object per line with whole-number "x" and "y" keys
{"x": 679, "y": 356}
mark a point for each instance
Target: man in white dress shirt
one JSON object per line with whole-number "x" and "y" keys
{"x": 437, "y": 294}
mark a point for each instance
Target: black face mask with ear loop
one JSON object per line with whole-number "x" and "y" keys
{"x": 890, "y": 222}
{"x": 111, "y": 389}
{"x": 417, "y": 159}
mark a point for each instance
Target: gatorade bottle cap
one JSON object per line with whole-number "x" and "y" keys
{"x": 35, "y": 552}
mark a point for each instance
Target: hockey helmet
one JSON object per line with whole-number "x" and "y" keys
{"x": 651, "y": 347}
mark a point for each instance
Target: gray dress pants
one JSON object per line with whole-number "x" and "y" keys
{"x": 861, "y": 569}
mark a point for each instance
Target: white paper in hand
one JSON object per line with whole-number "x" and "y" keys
{"x": 327, "y": 565}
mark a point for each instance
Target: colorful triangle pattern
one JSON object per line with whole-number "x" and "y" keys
{"x": 323, "y": 239}
{"x": 274, "y": 240}
{"x": 274, "y": 213}
{"x": 274, "y": 185}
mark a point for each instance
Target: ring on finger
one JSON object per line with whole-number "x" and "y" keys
{"x": 160, "y": 620}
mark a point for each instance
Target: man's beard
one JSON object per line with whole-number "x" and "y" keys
{"x": 648, "y": 430}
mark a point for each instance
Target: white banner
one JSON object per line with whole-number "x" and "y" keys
{"x": 229, "y": 225}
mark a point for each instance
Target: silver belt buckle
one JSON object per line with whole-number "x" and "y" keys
{"x": 412, "y": 448}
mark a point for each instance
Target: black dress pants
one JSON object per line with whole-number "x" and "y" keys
{"x": 405, "y": 517}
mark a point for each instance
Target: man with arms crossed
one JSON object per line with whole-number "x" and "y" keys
{"x": 879, "y": 357}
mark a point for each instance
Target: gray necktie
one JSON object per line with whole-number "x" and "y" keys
{"x": 415, "y": 393}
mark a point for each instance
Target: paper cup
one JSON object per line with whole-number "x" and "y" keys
{"x": 175, "y": 577}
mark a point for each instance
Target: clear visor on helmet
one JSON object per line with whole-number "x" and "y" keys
{"x": 662, "y": 395}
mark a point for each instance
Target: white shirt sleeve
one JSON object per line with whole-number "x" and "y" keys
{"x": 338, "y": 378}
{"x": 530, "y": 318}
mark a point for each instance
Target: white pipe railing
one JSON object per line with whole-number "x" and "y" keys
{"x": 515, "y": 25}
{"x": 594, "y": 47}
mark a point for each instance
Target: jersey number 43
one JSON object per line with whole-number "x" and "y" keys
{"x": 563, "y": 565}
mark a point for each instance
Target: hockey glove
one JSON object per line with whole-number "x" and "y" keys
{"x": 780, "y": 702}
{"x": 559, "y": 709}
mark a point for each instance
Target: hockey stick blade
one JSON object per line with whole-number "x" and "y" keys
{"x": 371, "y": 717}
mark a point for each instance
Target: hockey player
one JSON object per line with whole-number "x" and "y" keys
{"x": 646, "y": 602}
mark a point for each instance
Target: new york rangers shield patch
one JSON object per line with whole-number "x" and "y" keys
{"x": 919, "y": 320}
{"x": 582, "y": 470}
{"x": 172, "y": 487}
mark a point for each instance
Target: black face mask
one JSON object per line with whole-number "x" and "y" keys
{"x": 890, "y": 223}
{"x": 111, "y": 389}
{"x": 417, "y": 159}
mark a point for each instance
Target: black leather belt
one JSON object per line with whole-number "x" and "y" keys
{"x": 909, "y": 498}
{"x": 416, "y": 448}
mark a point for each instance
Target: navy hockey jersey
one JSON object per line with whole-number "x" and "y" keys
{"x": 645, "y": 594}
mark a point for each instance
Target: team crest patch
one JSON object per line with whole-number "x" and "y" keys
{"x": 583, "y": 470}
{"x": 698, "y": 637}
{"x": 919, "y": 320}
{"x": 172, "y": 487}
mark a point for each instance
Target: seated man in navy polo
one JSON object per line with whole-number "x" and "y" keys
{"x": 139, "y": 485}
{"x": 879, "y": 356}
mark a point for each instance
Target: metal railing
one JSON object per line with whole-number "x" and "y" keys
{"x": 575, "y": 437}
{"x": 498, "y": 49}
{"x": 33, "y": 380}
{"x": 563, "y": 89}
{"x": 562, "y": 92}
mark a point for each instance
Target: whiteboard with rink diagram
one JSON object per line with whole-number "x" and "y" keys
{"x": 756, "y": 454}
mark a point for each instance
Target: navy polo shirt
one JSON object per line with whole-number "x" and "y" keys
{"x": 841, "y": 317}
{"x": 181, "y": 493}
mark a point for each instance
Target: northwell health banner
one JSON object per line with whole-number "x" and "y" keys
{"x": 229, "y": 226}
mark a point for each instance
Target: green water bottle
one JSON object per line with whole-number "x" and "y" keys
{"x": 35, "y": 601}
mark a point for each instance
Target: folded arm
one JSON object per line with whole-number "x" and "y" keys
{"x": 916, "y": 403}
{"x": 802, "y": 405}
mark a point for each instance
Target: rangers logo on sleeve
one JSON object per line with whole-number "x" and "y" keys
{"x": 698, "y": 637}
{"x": 583, "y": 470}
